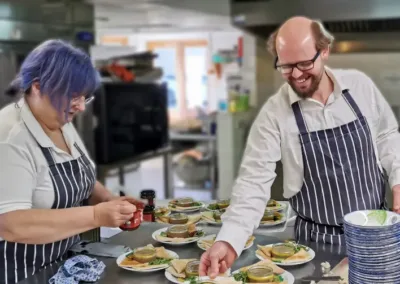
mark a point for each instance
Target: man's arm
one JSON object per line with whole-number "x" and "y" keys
{"x": 388, "y": 144}
{"x": 252, "y": 188}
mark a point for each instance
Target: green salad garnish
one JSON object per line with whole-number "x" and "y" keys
{"x": 242, "y": 276}
{"x": 159, "y": 261}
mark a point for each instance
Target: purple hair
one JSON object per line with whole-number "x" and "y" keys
{"x": 61, "y": 70}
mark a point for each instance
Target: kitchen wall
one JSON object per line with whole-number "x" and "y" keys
{"x": 138, "y": 42}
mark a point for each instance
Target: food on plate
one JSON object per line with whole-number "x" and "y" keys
{"x": 180, "y": 233}
{"x": 217, "y": 216}
{"x": 179, "y": 219}
{"x": 272, "y": 203}
{"x": 207, "y": 243}
{"x": 161, "y": 211}
{"x": 192, "y": 268}
{"x": 219, "y": 205}
{"x": 261, "y": 272}
{"x": 148, "y": 257}
{"x": 184, "y": 203}
{"x": 178, "y": 269}
{"x": 212, "y": 216}
{"x": 221, "y": 280}
{"x": 284, "y": 252}
{"x": 186, "y": 270}
{"x": 271, "y": 217}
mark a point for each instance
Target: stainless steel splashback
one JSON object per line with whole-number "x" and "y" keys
{"x": 24, "y": 24}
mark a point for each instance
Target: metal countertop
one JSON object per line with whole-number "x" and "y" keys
{"x": 141, "y": 237}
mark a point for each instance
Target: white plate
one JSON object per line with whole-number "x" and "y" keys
{"x": 310, "y": 251}
{"x": 372, "y": 218}
{"x": 173, "y": 279}
{"x": 278, "y": 208}
{"x": 210, "y": 237}
{"x": 188, "y": 210}
{"x": 287, "y": 276}
{"x": 122, "y": 257}
{"x": 171, "y": 243}
{"x": 281, "y": 221}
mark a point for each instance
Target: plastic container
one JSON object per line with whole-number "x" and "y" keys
{"x": 178, "y": 231}
{"x": 144, "y": 255}
{"x": 192, "y": 268}
{"x": 260, "y": 274}
{"x": 178, "y": 219}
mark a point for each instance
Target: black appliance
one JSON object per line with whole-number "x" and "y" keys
{"x": 132, "y": 120}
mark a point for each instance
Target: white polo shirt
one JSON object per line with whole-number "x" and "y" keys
{"x": 25, "y": 181}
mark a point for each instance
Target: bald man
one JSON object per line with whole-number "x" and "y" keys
{"x": 334, "y": 133}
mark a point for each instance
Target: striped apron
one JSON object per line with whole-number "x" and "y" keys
{"x": 73, "y": 183}
{"x": 341, "y": 175}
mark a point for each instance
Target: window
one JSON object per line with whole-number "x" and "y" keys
{"x": 184, "y": 65}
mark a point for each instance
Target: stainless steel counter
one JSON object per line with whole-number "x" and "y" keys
{"x": 113, "y": 274}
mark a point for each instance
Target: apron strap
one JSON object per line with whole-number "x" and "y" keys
{"x": 354, "y": 107}
{"x": 301, "y": 123}
{"x": 298, "y": 114}
{"x": 49, "y": 157}
{"x": 79, "y": 150}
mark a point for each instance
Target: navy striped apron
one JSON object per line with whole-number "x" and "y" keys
{"x": 341, "y": 175}
{"x": 73, "y": 183}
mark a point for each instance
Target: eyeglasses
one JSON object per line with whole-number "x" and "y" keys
{"x": 88, "y": 99}
{"x": 302, "y": 66}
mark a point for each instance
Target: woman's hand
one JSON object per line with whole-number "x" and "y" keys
{"x": 138, "y": 204}
{"x": 113, "y": 213}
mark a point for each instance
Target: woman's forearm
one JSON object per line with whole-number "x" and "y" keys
{"x": 100, "y": 194}
{"x": 42, "y": 226}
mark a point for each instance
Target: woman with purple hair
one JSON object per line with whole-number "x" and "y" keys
{"x": 48, "y": 188}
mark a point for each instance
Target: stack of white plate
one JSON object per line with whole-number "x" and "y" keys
{"x": 373, "y": 246}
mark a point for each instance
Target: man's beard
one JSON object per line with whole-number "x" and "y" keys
{"x": 315, "y": 80}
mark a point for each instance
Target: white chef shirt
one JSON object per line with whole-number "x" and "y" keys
{"x": 274, "y": 137}
{"x": 25, "y": 181}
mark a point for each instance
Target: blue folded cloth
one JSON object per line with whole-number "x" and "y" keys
{"x": 78, "y": 268}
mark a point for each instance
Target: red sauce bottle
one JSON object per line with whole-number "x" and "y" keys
{"x": 148, "y": 211}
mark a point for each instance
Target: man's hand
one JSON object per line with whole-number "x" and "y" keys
{"x": 217, "y": 259}
{"x": 396, "y": 198}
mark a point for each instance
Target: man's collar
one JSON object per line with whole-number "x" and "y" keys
{"x": 33, "y": 125}
{"x": 339, "y": 86}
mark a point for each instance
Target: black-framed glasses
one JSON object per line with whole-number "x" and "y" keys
{"x": 302, "y": 66}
